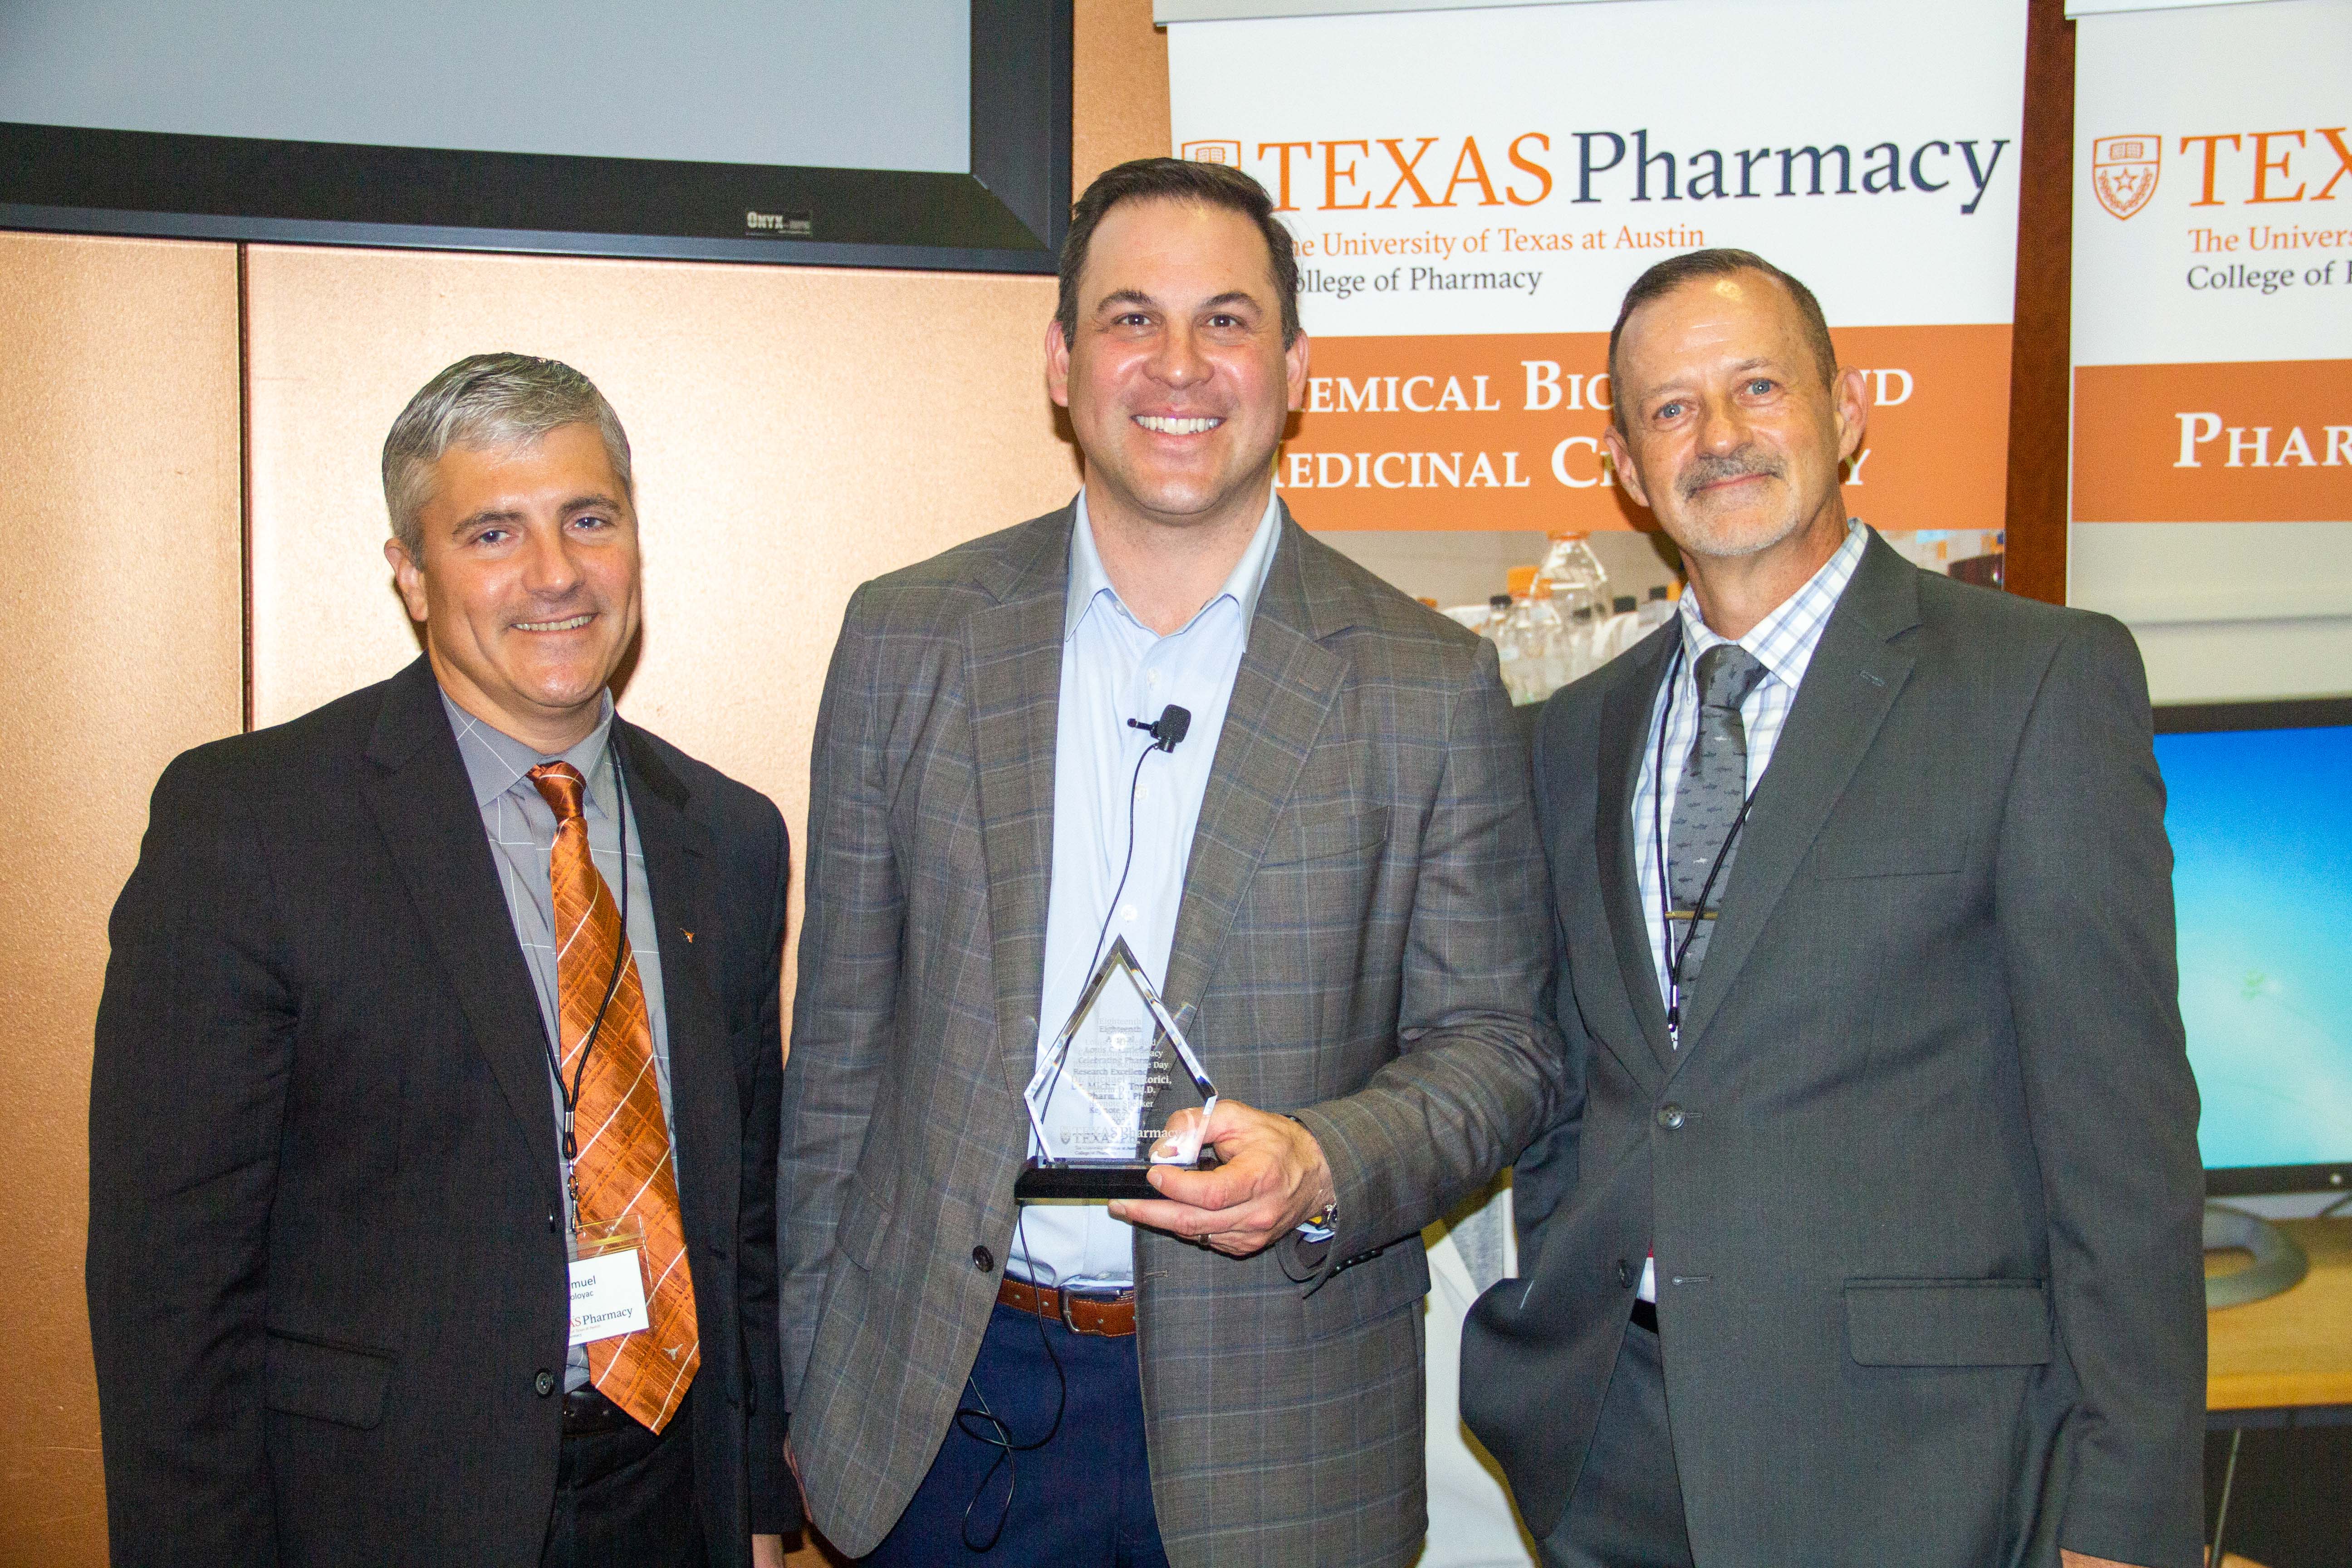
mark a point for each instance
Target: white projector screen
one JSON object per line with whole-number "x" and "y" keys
{"x": 882, "y": 84}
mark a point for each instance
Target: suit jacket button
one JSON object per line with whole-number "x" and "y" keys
{"x": 1671, "y": 1118}
{"x": 542, "y": 1382}
{"x": 1624, "y": 1273}
{"x": 984, "y": 1259}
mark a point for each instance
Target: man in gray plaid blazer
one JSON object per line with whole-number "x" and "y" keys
{"x": 1341, "y": 898}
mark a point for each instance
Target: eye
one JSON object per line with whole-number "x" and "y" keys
{"x": 1759, "y": 386}
{"x": 492, "y": 536}
{"x": 1672, "y": 409}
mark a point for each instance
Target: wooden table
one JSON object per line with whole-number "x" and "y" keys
{"x": 2292, "y": 1351}
{"x": 2282, "y": 1359}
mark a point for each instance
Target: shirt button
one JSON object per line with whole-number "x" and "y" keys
{"x": 1152, "y": 676}
{"x": 542, "y": 1382}
{"x": 1671, "y": 1118}
{"x": 984, "y": 1259}
{"x": 1127, "y": 912}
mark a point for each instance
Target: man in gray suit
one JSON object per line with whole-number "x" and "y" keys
{"x": 1871, "y": 1233}
{"x": 1328, "y": 877}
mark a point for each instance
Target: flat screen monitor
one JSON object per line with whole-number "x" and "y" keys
{"x": 2258, "y": 808}
{"x": 891, "y": 132}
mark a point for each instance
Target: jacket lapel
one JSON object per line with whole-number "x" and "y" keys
{"x": 1624, "y": 734}
{"x": 1282, "y": 693}
{"x": 424, "y": 805}
{"x": 1014, "y": 659}
{"x": 677, "y": 847}
{"x": 1856, "y": 673}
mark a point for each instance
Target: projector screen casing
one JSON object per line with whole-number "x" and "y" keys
{"x": 1008, "y": 214}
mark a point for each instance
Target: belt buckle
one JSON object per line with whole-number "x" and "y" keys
{"x": 1067, "y": 1295}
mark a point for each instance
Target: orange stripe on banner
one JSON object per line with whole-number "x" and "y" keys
{"x": 1503, "y": 431}
{"x": 2213, "y": 443}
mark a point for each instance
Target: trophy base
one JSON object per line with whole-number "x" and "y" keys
{"x": 1051, "y": 1181}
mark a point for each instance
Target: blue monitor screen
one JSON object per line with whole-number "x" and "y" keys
{"x": 2261, "y": 821}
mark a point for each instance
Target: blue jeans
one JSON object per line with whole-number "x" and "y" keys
{"x": 1084, "y": 1496}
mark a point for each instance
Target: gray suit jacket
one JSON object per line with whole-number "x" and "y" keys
{"x": 1923, "y": 1182}
{"x": 1356, "y": 940}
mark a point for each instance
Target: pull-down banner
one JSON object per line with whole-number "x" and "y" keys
{"x": 1473, "y": 191}
{"x": 2213, "y": 266}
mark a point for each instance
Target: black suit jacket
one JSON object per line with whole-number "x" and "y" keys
{"x": 1923, "y": 1179}
{"x": 326, "y": 1274}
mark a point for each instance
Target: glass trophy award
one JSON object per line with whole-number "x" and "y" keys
{"x": 1105, "y": 1090}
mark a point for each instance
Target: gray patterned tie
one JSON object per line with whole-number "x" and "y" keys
{"x": 1713, "y": 787}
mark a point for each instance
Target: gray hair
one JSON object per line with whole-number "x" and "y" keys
{"x": 488, "y": 400}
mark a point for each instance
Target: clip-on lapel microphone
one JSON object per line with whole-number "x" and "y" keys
{"x": 1168, "y": 729}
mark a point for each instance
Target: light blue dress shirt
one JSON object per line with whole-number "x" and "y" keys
{"x": 1114, "y": 668}
{"x": 1783, "y": 643}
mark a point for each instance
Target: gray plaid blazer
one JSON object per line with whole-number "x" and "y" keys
{"x": 1363, "y": 941}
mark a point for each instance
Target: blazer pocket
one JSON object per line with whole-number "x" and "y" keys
{"x": 1947, "y": 1322}
{"x": 1327, "y": 832}
{"x": 330, "y": 1383}
{"x": 1888, "y": 854}
{"x": 863, "y": 1225}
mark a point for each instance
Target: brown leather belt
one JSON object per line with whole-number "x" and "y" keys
{"x": 1110, "y": 1314}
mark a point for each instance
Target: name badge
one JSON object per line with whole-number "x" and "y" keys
{"x": 608, "y": 1280}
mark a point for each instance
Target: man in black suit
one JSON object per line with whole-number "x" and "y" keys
{"x": 419, "y": 1004}
{"x": 1871, "y": 1236}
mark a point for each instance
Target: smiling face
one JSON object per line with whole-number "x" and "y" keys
{"x": 1179, "y": 382}
{"x": 528, "y": 588}
{"x": 1731, "y": 437}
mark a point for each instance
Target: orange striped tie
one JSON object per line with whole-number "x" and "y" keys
{"x": 623, "y": 1165}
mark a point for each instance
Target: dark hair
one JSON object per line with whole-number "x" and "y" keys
{"x": 1676, "y": 270}
{"x": 1178, "y": 180}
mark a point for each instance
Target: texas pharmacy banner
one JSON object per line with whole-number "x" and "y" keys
{"x": 2213, "y": 269}
{"x": 1473, "y": 190}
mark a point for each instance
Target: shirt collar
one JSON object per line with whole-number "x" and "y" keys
{"x": 1089, "y": 582}
{"x": 496, "y": 762}
{"x": 1783, "y": 641}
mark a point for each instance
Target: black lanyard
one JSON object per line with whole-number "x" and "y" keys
{"x": 570, "y": 1098}
{"x": 1675, "y": 955}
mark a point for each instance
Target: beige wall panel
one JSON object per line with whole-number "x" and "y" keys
{"x": 795, "y": 432}
{"x": 119, "y": 522}
{"x": 1119, "y": 96}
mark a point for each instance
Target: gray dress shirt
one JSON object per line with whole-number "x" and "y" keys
{"x": 521, "y": 830}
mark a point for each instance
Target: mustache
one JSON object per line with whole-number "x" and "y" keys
{"x": 1713, "y": 470}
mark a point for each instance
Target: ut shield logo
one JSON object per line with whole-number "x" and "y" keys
{"x": 2124, "y": 171}
{"x": 1211, "y": 152}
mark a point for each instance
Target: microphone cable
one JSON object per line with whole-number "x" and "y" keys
{"x": 976, "y": 1420}
{"x": 981, "y": 1425}
{"x": 1167, "y": 732}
